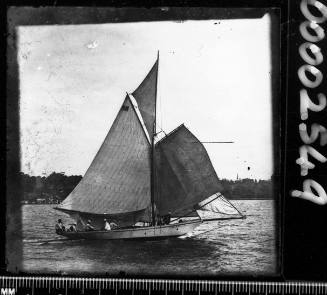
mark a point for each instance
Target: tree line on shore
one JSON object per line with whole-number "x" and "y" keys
{"x": 47, "y": 189}
{"x": 57, "y": 186}
{"x": 247, "y": 189}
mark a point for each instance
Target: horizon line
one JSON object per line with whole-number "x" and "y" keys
{"x": 83, "y": 176}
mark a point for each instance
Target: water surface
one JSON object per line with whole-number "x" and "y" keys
{"x": 232, "y": 247}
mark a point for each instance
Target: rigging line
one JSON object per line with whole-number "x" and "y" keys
{"x": 161, "y": 130}
{"x": 218, "y": 196}
{"x": 223, "y": 218}
{"x": 217, "y": 141}
{"x": 235, "y": 208}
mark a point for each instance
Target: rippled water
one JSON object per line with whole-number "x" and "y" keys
{"x": 232, "y": 247}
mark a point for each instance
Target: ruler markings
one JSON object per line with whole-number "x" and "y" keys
{"x": 180, "y": 286}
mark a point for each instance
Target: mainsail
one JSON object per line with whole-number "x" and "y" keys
{"x": 118, "y": 180}
{"x": 184, "y": 173}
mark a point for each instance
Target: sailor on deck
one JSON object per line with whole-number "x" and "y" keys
{"x": 106, "y": 225}
{"x": 72, "y": 227}
{"x": 89, "y": 226}
{"x": 59, "y": 227}
{"x": 113, "y": 225}
{"x": 166, "y": 218}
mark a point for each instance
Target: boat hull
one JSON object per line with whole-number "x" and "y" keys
{"x": 144, "y": 233}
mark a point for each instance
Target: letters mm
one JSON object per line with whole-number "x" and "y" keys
{"x": 8, "y": 291}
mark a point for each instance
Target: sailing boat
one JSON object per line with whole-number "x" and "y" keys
{"x": 139, "y": 182}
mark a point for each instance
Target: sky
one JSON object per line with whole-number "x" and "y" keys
{"x": 214, "y": 76}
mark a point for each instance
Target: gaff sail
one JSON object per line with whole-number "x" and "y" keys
{"x": 118, "y": 180}
{"x": 184, "y": 173}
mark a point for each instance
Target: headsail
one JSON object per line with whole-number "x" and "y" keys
{"x": 145, "y": 96}
{"x": 217, "y": 203}
{"x": 118, "y": 180}
{"x": 185, "y": 175}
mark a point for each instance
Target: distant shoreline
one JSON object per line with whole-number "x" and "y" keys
{"x": 54, "y": 188}
{"x": 253, "y": 199}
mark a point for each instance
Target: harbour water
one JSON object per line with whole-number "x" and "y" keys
{"x": 233, "y": 247}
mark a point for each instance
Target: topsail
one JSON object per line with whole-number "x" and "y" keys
{"x": 145, "y": 96}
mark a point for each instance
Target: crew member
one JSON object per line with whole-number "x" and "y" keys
{"x": 60, "y": 228}
{"x": 158, "y": 220}
{"x": 72, "y": 227}
{"x": 113, "y": 225}
{"x": 166, "y": 218}
{"x": 89, "y": 226}
{"x": 106, "y": 225}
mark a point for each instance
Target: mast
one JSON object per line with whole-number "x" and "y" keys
{"x": 153, "y": 176}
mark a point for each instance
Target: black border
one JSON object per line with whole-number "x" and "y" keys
{"x": 12, "y": 106}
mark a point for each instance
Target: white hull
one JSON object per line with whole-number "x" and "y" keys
{"x": 150, "y": 232}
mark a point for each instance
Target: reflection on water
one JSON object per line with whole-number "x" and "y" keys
{"x": 242, "y": 246}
